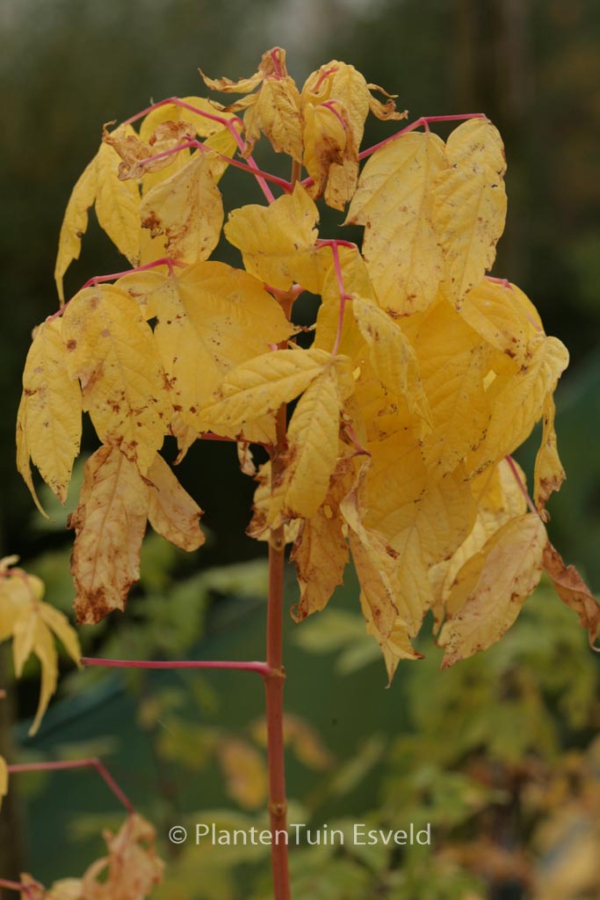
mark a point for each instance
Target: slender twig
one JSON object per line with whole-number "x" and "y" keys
{"x": 92, "y": 763}
{"x": 522, "y": 487}
{"x": 260, "y": 667}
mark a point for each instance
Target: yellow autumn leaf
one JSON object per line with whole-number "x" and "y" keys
{"x": 497, "y": 498}
{"x": 132, "y": 868}
{"x": 112, "y": 351}
{"x": 452, "y": 363}
{"x": 312, "y": 451}
{"x": 469, "y": 204}
{"x": 278, "y": 241}
{"x": 394, "y": 201}
{"x": 52, "y": 408}
{"x": 548, "y": 472}
{"x": 499, "y": 579}
{"x": 259, "y": 387}
{"x": 171, "y": 511}
{"x": 320, "y": 550}
{"x": 33, "y": 625}
{"x": 392, "y": 357}
{"x": 374, "y": 560}
{"x": 109, "y": 522}
{"x": 65, "y": 889}
{"x": 24, "y": 456}
{"x": 504, "y": 317}
{"x": 394, "y": 646}
{"x": 245, "y": 772}
{"x": 211, "y": 318}
{"x": 187, "y": 209}
{"x": 516, "y": 401}
{"x": 75, "y": 223}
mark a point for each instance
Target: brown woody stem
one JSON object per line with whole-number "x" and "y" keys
{"x": 274, "y": 682}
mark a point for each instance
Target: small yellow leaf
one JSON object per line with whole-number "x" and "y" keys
{"x": 75, "y": 223}
{"x": 171, "y": 511}
{"x": 53, "y": 408}
{"x": 32, "y": 623}
{"x": 245, "y": 772}
{"x": 118, "y": 202}
{"x": 24, "y": 456}
{"x": 312, "y": 451}
{"x": 573, "y": 591}
{"x": 278, "y": 241}
{"x": 187, "y": 208}
{"x": 259, "y": 387}
{"x": 394, "y": 202}
{"x": 276, "y": 113}
{"x": 325, "y": 141}
{"x": 355, "y": 278}
{"x": 111, "y": 349}
{"x": 500, "y": 579}
{"x": 110, "y": 522}
{"x": 548, "y": 473}
{"x": 3, "y": 779}
{"x": 65, "y": 889}
{"x": 469, "y": 204}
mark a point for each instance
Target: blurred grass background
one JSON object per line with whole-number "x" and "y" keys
{"x": 68, "y": 66}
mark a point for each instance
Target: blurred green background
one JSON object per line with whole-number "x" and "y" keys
{"x": 67, "y": 67}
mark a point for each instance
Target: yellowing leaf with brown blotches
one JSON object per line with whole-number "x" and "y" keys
{"x": 548, "y": 473}
{"x": 212, "y": 317}
{"x": 469, "y": 204}
{"x": 336, "y": 100}
{"x": 51, "y": 408}
{"x": 274, "y": 109}
{"x": 111, "y": 349}
{"x": 517, "y": 401}
{"x": 33, "y": 626}
{"x": 573, "y": 591}
{"x": 259, "y": 387}
{"x": 394, "y": 201}
{"x": 278, "y": 241}
{"x": 497, "y": 498}
{"x": 187, "y": 208}
{"x": 504, "y": 317}
{"x": 320, "y": 551}
{"x": 493, "y": 585}
{"x": 245, "y": 772}
{"x": 374, "y": 560}
{"x": 132, "y": 867}
{"x": 171, "y": 511}
{"x": 109, "y": 522}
